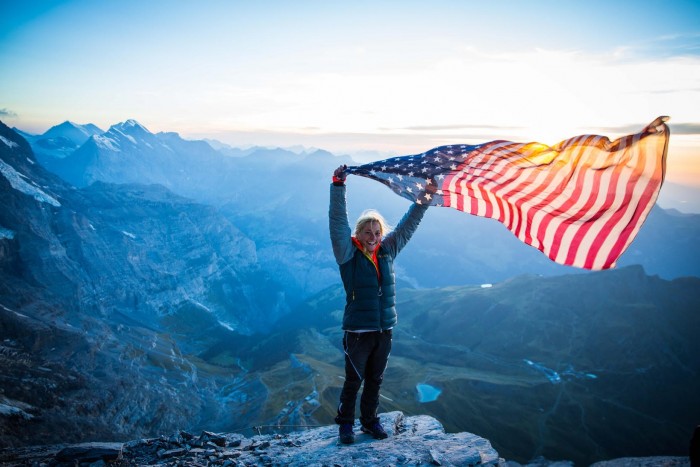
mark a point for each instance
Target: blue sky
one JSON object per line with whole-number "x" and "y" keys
{"x": 396, "y": 77}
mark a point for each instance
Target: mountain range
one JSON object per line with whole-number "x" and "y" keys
{"x": 149, "y": 283}
{"x": 292, "y": 189}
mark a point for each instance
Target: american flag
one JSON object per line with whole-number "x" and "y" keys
{"x": 581, "y": 202}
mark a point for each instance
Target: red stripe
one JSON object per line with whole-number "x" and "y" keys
{"x": 552, "y": 171}
{"x": 626, "y": 149}
{"x": 638, "y": 209}
{"x": 608, "y": 191}
{"x": 505, "y": 175}
{"x": 646, "y": 202}
{"x": 577, "y": 178}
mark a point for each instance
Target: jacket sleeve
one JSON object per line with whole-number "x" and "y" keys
{"x": 338, "y": 225}
{"x": 399, "y": 237}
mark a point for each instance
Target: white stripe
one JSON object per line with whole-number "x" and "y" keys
{"x": 591, "y": 157}
{"x": 620, "y": 190}
{"x": 536, "y": 187}
{"x": 498, "y": 169}
{"x": 461, "y": 178}
{"x": 587, "y": 240}
{"x": 573, "y": 170}
{"x": 517, "y": 174}
{"x": 639, "y": 188}
{"x": 345, "y": 349}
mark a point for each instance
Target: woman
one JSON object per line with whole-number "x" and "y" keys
{"x": 366, "y": 269}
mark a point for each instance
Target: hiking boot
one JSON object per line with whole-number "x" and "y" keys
{"x": 345, "y": 433}
{"x": 375, "y": 429}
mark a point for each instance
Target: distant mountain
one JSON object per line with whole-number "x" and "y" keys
{"x": 129, "y": 153}
{"x": 108, "y": 295}
{"x": 74, "y": 132}
{"x": 60, "y": 141}
{"x": 682, "y": 198}
{"x": 23, "y": 134}
{"x": 268, "y": 183}
{"x": 280, "y": 200}
{"x": 229, "y": 150}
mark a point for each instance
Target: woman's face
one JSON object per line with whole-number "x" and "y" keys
{"x": 370, "y": 235}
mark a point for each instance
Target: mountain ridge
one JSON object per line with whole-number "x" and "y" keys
{"x": 277, "y": 184}
{"x": 151, "y": 311}
{"x": 98, "y": 288}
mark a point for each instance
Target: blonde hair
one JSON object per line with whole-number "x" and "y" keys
{"x": 371, "y": 215}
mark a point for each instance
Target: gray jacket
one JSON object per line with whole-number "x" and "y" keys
{"x": 370, "y": 302}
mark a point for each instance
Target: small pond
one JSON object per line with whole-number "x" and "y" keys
{"x": 427, "y": 393}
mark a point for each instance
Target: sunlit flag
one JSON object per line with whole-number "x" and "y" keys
{"x": 581, "y": 202}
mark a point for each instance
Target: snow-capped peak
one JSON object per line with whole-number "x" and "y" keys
{"x": 74, "y": 132}
{"x": 129, "y": 126}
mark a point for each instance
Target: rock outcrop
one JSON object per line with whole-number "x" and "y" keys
{"x": 413, "y": 440}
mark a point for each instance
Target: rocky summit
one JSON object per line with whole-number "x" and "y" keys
{"x": 415, "y": 440}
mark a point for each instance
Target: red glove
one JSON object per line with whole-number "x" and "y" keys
{"x": 339, "y": 175}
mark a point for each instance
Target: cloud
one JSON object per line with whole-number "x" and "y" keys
{"x": 673, "y": 91}
{"x": 685, "y": 128}
{"x": 4, "y": 112}
{"x": 453, "y": 127}
{"x": 676, "y": 128}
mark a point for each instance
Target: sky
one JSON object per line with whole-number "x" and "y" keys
{"x": 395, "y": 77}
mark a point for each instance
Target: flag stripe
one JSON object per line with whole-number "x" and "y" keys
{"x": 582, "y": 158}
{"x": 617, "y": 203}
{"x": 580, "y": 202}
{"x": 642, "y": 190}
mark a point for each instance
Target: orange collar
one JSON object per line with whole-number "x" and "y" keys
{"x": 372, "y": 257}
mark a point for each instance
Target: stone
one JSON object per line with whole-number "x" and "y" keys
{"x": 90, "y": 452}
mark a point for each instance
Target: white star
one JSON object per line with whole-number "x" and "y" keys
{"x": 419, "y": 186}
{"x": 410, "y": 174}
{"x": 453, "y": 167}
{"x": 427, "y": 196}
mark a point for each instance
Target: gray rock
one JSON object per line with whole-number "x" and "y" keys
{"x": 645, "y": 462}
{"x": 90, "y": 452}
{"x": 415, "y": 440}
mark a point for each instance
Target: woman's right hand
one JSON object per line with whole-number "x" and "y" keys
{"x": 339, "y": 173}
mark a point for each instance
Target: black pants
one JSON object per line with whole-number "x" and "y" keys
{"x": 366, "y": 357}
